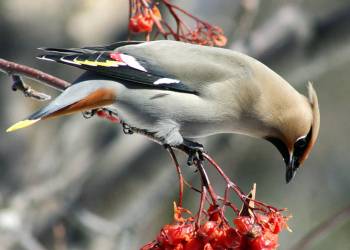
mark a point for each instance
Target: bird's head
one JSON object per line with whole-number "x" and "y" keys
{"x": 298, "y": 135}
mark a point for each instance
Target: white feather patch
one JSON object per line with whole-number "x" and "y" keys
{"x": 131, "y": 62}
{"x": 69, "y": 61}
{"x": 165, "y": 81}
{"x": 45, "y": 58}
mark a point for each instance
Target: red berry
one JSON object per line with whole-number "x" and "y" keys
{"x": 150, "y": 246}
{"x": 232, "y": 239}
{"x": 208, "y": 228}
{"x": 145, "y": 23}
{"x": 244, "y": 224}
{"x": 214, "y": 213}
{"x": 133, "y": 24}
{"x": 179, "y": 247}
{"x": 208, "y": 247}
{"x": 278, "y": 222}
{"x": 273, "y": 222}
{"x": 141, "y": 23}
{"x": 219, "y": 40}
{"x": 267, "y": 241}
{"x": 175, "y": 234}
{"x": 193, "y": 244}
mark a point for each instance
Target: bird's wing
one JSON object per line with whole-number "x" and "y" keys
{"x": 109, "y": 61}
{"x": 113, "y": 46}
{"x": 90, "y": 49}
{"x": 167, "y": 65}
{"x": 195, "y": 66}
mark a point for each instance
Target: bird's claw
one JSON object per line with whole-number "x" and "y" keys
{"x": 89, "y": 113}
{"x": 127, "y": 129}
{"x": 195, "y": 156}
{"x": 195, "y": 152}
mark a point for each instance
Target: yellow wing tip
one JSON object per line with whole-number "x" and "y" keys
{"x": 21, "y": 124}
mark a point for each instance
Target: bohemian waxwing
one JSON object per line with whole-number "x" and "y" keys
{"x": 179, "y": 91}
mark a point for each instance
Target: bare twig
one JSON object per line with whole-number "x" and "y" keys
{"x": 324, "y": 228}
{"x": 247, "y": 14}
{"x": 13, "y": 68}
{"x": 18, "y": 84}
{"x": 28, "y": 241}
{"x": 288, "y": 24}
{"x": 97, "y": 224}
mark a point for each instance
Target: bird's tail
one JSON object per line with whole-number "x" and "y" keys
{"x": 79, "y": 97}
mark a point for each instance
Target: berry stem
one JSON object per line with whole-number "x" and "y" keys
{"x": 201, "y": 206}
{"x": 206, "y": 182}
{"x": 232, "y": 185}
{"x": 179, "y": 173}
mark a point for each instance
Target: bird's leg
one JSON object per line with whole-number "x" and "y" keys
{"x": 127, "y": 129}
{"x": 194, "y": 150}
{"x": 89, "y": 113}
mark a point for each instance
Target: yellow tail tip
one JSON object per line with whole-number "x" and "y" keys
{"x": 22, "y": 124}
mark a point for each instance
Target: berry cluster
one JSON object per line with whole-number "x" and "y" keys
{"x": 142, "y": 18}
{"x": 145, "y": 16}
{"x": 256, "y": 232}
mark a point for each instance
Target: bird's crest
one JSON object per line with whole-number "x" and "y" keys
{"x": 315, "y": 127}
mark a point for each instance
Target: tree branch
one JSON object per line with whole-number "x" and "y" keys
{"x": 18, "y": 84}
{"x": 324, "y": 228}
{"x": 13, "y": 68}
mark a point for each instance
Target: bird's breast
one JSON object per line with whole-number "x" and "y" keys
{"x": 195, "y": 116}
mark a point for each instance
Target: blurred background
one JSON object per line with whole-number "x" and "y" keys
{"x": 73, "y": 183}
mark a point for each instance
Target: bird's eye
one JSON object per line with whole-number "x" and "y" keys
{"x": 300, "y": 143}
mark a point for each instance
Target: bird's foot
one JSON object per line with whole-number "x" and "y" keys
{"x": 194, "y": 156}
{"x": 194, "y": 151}
{"x": 127, "y": 129}
{"x": 89, "y": 113}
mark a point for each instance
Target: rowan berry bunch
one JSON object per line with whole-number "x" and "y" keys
{"x": 142, "y": 15}
{"x": 255, "y": 233}
{"x": 145, "y": 16}
{"x": 255, "y": 226}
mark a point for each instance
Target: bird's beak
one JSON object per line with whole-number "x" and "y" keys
{"x": 291, "y": 167}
